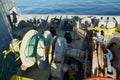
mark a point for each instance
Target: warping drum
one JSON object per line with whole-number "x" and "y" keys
{"x": 114, "y": 45}
{"x": 51, "y": 49}
{"x": 41, "y": 47}
{"x": 114, "y": 40}
{"x": 60, "y": 47}
{"x": 48, "y": 37}
{"x": 28, "y": 58}
{"x": 57, "y": 65}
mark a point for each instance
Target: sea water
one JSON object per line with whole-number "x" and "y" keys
{"x": 84, "y": 7}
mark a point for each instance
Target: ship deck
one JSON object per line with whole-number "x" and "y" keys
{"x": 34, "y": 72}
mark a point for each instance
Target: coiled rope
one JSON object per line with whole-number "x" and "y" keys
{"x": 31, "y": 46}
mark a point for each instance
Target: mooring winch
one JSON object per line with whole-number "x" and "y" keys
{"x": 68, "y": 52}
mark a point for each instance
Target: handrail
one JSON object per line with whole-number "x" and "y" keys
{"x": 99, "y": 29}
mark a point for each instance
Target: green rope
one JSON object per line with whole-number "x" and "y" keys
{"x": 42, "y": 38}
{"x": 30, "y": 50}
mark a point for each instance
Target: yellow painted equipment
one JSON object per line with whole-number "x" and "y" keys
{"x": 8, "y": 51}
{"x": 20, "y": 78}
{"x": 99, "y": 29}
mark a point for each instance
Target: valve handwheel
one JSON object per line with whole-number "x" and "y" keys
{"x": 99, "y": 78}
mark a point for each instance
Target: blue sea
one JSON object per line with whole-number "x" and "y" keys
{"x": 84, "y": 7}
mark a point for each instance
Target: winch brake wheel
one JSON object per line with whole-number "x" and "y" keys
{"x": 99, "y": 78}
